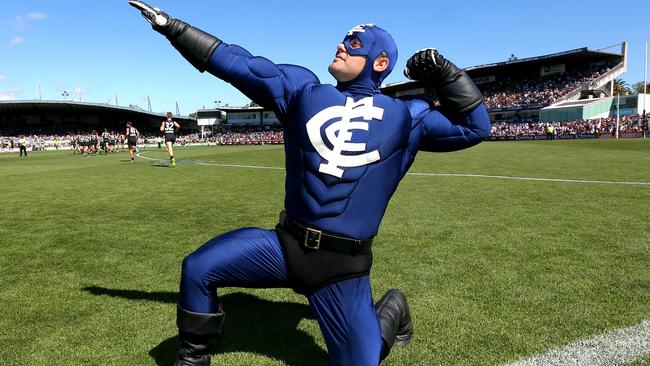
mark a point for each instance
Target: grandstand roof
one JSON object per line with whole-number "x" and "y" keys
{"x": 17, "y": 115}
{"x": 579, "y": 55}
{"x": 58, "y": 106}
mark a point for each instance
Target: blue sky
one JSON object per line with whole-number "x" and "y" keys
{"x": 105, "y": 48}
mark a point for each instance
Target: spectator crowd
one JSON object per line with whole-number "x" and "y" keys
{"x": 37, "y": 140}
{"x": 569, "y": 129}
{"x": 259, "y": 136}
{"x": 255, "y": 136}
{"x": 536, "y": 90}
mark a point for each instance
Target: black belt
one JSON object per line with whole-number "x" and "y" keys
{"x": 316, "y": 239}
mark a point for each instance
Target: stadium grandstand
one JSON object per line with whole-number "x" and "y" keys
{"x": 250, "y": 125}
{"x": 62, "y": 116}
{"x": 51, "y": 122}
{"x": 521, "y": 88}
{"x": 573, "y": 91}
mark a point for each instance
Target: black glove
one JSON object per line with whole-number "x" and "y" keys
{"x": 194, "y": 44}
{"x": 454, "y": 88}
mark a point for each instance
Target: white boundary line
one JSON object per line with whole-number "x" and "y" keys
{"x": 530, "y": 178}
{"x": 615, "y": 347}
{"x": 242, "y": 166}
{"x": 426, "y": 174}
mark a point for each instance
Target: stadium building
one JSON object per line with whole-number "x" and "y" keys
{"x": 565, "y": 86}
{"x": 234, "y": 117}
{"x": 43, "y": 116}
{"x": 569, "y": 85}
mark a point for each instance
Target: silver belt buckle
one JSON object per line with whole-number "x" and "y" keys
{"x": 310, "y": 232}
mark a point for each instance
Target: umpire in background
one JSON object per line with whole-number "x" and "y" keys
{"x": 22, "y": 145}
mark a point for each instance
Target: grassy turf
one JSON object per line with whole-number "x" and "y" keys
{"x": 495, "y": 270}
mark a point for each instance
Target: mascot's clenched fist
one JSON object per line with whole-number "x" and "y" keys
{"x": 157, "y": 18}
{"x": 453, "y": 86}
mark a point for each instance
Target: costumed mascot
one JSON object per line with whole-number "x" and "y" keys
{"x": 346, "y": 148}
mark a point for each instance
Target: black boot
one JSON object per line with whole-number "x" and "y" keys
{"x": 394, "y": 319}
{"x": 199, "y": 334}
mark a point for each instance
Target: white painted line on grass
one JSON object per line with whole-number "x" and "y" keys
{"x": 616, "y": 347}
{"x": 209, "y": 163}
{"x": 146, "y": 158}
{"x": 243, "y": 166}
{"x": 530, "y": 178}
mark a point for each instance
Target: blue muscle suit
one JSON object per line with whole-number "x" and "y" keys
{"x": 346, "y": 149}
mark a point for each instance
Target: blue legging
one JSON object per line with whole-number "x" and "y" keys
{"x": 252, "y": 257}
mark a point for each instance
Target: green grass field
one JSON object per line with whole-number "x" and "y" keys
{"x": 495, "y": 269}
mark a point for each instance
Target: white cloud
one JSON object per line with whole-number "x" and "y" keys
{"x": 34, "y": 16}
{"x": 16, "y": 41}
{"x": 23, "y": 22}
{"x": 2, "y": 78}
{"x": 11, "y": 94}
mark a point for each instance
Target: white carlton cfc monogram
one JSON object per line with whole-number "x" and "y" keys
{"x": 359, "y": 28}
{"x": 339, "y": 135}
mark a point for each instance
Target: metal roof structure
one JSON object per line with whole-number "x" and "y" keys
{"x": 22, "y": 114}
{"x": 71, "y": 106}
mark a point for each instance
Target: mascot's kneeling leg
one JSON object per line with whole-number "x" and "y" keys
{"x": 394, "y": 320}
{"x": 199, "y": 334}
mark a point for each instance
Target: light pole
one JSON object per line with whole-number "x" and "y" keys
{"x": 618, "y": 103}
{"x": 645, "y": 86}
{"x": 65, "y": 95}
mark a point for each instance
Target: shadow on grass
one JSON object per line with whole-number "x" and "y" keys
{"x": 253, "y": 325}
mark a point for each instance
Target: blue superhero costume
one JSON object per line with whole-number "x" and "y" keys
{"x": 346, "y": 149}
